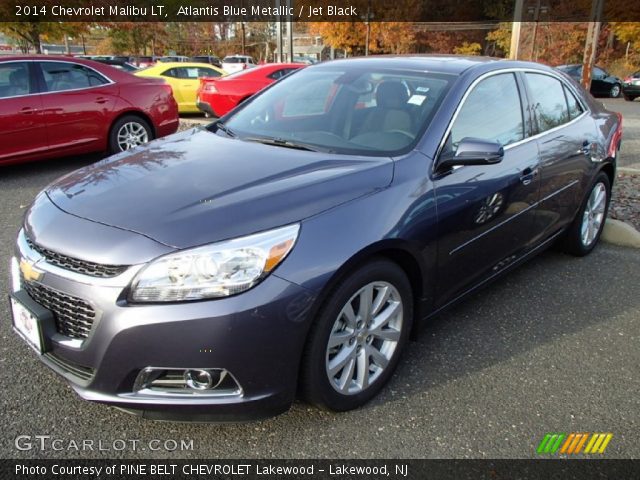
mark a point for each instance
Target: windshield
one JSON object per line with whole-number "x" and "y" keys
{"x": 343, "y": 110}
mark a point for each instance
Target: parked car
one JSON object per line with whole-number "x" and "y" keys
{"x": 216, "y": 96}
{"x": 184, "y": 79}
{"x": 145, "y": 61}
{"x": 56, "y": 106}
{"x": 173, "y": 59}
{"x": 295, "y": 244}
{"x": 602, "y": 83}
{"x": 119, "y": 64}
{"x": 631, "y": 87}
{"x": 210, "y": 59}
{"x": 234, "y": 63}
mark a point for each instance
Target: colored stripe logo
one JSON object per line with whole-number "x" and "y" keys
{"x": 573, "y": 443}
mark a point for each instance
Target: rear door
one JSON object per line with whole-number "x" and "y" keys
{"x": 77, "y": 102}
{"x": 486, "y": 213}
{"x": 566, "y": 138}
{"x": 23, "y": 133}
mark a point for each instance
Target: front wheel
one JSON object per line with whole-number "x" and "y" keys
{"x": 129, "y": 132}
{"x": 356, "y": 341}
{"x": 587, "y": 227}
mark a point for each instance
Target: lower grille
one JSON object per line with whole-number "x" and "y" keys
{"x": 74, "y": 317}
{"x": 80, "y": 371}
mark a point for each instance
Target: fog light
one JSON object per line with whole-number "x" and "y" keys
{"x": 201, "y": 379}
{"x": 216, "y": 382}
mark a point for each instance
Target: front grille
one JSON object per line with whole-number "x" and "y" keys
{"x": 74, "y": 317}
{"x": 75, "y": 264}
{"x": 79, "y": 371}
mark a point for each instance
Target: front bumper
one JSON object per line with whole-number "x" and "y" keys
{"x": 257, "y": 336}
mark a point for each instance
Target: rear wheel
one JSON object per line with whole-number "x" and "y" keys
{"x": 129, "y": 132}
{"x": 356, "y": 341}
{"x": 629, "y": 98}
{"x": 587, "y": 227}
{"x": 615, "y": 91}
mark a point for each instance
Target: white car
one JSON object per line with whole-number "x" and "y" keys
{"x": 235, "y": 63}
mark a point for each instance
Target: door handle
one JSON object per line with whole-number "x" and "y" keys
{"x": 528, "y": 174}
{"x": 101, "y": 100}
{"x": 27, "y": 110}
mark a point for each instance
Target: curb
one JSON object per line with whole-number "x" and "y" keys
{"x": 620, "y": 233}
{"x": 629, "y": 170}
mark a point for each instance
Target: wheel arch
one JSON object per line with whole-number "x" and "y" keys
{"x": 135, "y": 113}
{"x": 398, "y": 251}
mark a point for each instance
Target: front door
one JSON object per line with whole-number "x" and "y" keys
{"x": 485, "y": 213}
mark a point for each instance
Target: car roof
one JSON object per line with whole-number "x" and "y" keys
{"x": 448, "y": 64}
{"x": 182, "y": 65}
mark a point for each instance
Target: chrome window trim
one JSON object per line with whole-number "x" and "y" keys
{"x": 32, "y": 60}
{"x": 513, "y": 71}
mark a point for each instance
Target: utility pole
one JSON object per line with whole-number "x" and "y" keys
{"x": 278, "y": 34}
{"x": 368, "y": 21}
{"x": 515, "y": 31}
{"x": 289, "y": 31}
{"x": 591, "y": 43}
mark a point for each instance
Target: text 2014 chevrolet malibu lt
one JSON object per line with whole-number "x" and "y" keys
{"x": 294, "y": 244}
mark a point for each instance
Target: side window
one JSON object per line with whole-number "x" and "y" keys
{"x": 60, "y": 76}
{"x": 575, "y": 109}
{"x": 207, "y": 72}
{"x": 492, "y": 111}
{"x": 277, "y": 74}
{"x": 14, "y": 79}
{"x": 598, "y": 73}
{"x": 172, "y": 72}
{"x": 548, "y": 100}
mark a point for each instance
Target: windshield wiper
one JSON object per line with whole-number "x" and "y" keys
{"x": 281, "y": 142}
{"x": 225, "y": 129}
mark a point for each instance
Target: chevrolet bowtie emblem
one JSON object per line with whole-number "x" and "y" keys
{"x": 29, "y": 272}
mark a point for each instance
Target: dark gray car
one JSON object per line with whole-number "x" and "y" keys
{"x": 294, "y": 244}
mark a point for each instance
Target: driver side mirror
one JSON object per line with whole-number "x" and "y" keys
{"x": 471, "y": 151}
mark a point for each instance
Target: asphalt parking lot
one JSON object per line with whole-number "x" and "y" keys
{"x": 553, "y": 347}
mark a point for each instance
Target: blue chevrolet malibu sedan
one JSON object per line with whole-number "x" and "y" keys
{"x": 294, "y": 244}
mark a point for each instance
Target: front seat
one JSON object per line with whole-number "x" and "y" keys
{"x": 390, "y": 111}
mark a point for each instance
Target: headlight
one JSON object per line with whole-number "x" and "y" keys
{"x": 216, "y": 270}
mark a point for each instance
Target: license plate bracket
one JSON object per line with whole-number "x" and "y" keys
{"x": 34, "y": 323}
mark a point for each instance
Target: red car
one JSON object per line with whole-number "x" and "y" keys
{"x": 217, "y": 96}
{"x": 56, "y": 106}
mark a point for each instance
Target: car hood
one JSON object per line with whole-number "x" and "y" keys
{"x": 197, "y": 187}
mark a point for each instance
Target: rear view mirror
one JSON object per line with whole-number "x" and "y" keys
{"x": 472, "y": 151}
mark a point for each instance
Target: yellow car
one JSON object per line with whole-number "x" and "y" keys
{"x": 184, "y": 79}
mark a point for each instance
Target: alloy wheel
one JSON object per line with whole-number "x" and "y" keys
{"x": 593, "y": 215}
{"x": 131, "y": 135}
{"x": 615, "y": 91}
{"x": 364, "y": 337}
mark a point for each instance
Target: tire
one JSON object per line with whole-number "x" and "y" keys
{"x": 628, "y": 98}
{"x": 355, "y": 341}
{"x": 139, "y": 129}
{"x": 577, "y": 242}
{"x": 615, "y": 91}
